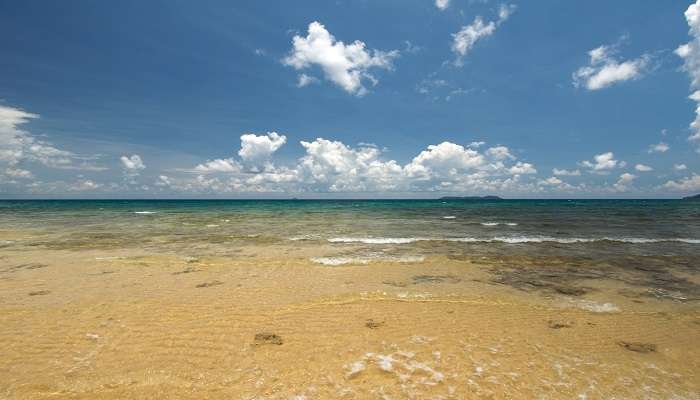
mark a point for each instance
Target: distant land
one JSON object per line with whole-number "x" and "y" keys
{"x": 696, "y": 197}
{"x": 470, "y": 198}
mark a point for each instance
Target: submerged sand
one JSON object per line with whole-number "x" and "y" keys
{"x": 270, "y": 323}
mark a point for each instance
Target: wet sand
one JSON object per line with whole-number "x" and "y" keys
{"x": 267, "y": 323}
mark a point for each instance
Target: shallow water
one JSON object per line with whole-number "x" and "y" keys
{"x": 363, "y": 299}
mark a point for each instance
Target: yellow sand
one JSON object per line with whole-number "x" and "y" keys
{"x": 126, "y": 325}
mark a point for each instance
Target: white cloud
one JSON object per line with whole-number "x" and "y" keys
{"x": 680, "y": 167}
{"x": 602, "y": 163}
{"x": 345, "y": 65}
{"x": 18, "y": 145}
{"x": 18, "y": 173}
{"x": 257, "y": 149}
{"x": 464, "y": 40}
{"x": 218, "y": 165}
{"x": 163, "y": 181}
{"x": 444, "y": 159}
{"x": 624, "y": 180}
{"x": 604, "y": 70}
{"x": 133, "y": 163}
{"x": 442, "y": 4}
{"x": 255, "y": 152}
{"x": 522, "y": 168}
{"x": 476, "y": 145}
{"x": 553, "y": 181}
{"x": 564, "y": 172}
{"x": 132, "y": 166}
{"x": 333, "y": 166}
{"x": 686, "y": 184}
{"x": 660, "y": 147}
{"x": 84, "y": 185}
{"x": 340, "y": 168}
{"x": 690, "y": 53}
{"x": 427, "y": 86}
{"x": 306, "y": 80}
{"x": 499, "y": 153}
{"x": 643, "y": 168}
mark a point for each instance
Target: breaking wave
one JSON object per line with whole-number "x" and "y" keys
{"x": 364, "y": 260}
{"x": 509, "y": 240}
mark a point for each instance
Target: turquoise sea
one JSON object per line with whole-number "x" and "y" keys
{"x": 646, "y": 227}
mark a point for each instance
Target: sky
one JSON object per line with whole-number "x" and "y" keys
{"x": 349, "y": 99}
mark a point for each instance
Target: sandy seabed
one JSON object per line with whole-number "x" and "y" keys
{"x": 270, "y": 324}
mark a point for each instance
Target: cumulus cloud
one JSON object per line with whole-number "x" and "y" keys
{"x": 346, "y": 65}
{"x": 218, "y": 165}
{"x": 255, "y": 154}
{"x": 603, "y": 163}
{"x": 623, "y": 182}
{"x": 132, "y": 166}
{"x": 464, "y": 40}
{"x": 680, "y": 167}
{"x": 132, "y": 163}
{"x": 258, "y": 148}
{"x": 522, "y": 168}
{"x": 163, "y": 180}
{"x": 551, "y": 181}
{"x": 603, "y": 70}
{"x": 340, "y": 168}
{"x": 690, "y": 53}
{"x": 687, "y": 184}
{"x": 660, "y": 147}
{"x": 447, "y": 166}
{"x": 333, "y": 166}
{"x": 643, "y": 168}
{"x": 564, "y": 172}
{"x": 442, "y": 4}
{"x": 499, "y": 153}
{"x": 443, "y": 160}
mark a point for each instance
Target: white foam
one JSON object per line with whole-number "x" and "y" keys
{"x": 212, "y": 226}
{"x": 596, "y": 307}
{"x": 370, "y": 240}
{"x": 499, "y": 223}
{"x": 385, "y": 363}
{"x": 405, "y": 368}
{"x": 338, "y": 260}
{"x": 355, "y": 368}
{"x": 417, "y": 339}
{"x": 449, "y": 217}
{"x": 365, "y": 260}
{"x": 145, "y": 212}
{"x": 509, "y": 240}
{"x": 303, "y": 237}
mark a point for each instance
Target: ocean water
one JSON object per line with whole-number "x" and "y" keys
{"x": 646, "y": 226}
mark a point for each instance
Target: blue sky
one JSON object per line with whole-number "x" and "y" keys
{"x": 349, "y": 99}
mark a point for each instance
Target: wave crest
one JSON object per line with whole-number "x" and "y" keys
{"x": 509, "y": 240}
